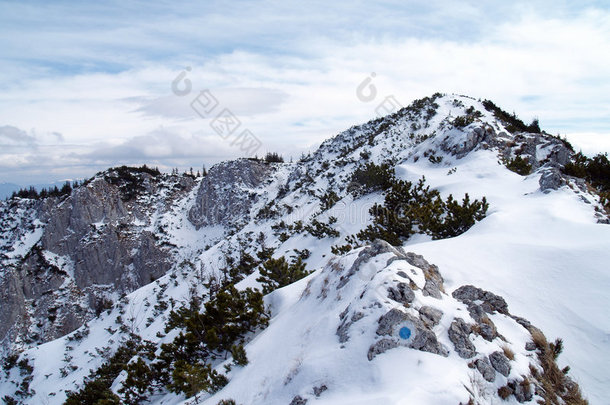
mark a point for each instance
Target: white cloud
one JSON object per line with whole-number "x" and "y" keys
{"x": 12, "y": 136}
{"x": 297, "y": 87}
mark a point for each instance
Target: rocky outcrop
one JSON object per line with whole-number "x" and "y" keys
{"x": 420, "y": 337}
{"x": 475, "y": 137}
{"x": 500, "y": 363}
{"x": 227, "y": 193}
{"x": 459, "y": 333}
{"x": 485, "y": 368}
{"x": 401, "y": 293}
{"x": 86, "y": 250}
{"x": 430, "y": 316}
{"x": 490, "y": 302}
{"x": 551, "y": 179}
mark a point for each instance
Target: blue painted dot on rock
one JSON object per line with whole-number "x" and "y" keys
{"x": 404, "y": 332}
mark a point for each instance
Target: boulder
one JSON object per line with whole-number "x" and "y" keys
{"x": 401, "y": 293}
{"x": 459, "y": 332}
{"x": 426, "y": 341}
{"x": 487, "y": 332}
{"x": 500, "y": 363}
{"x": 381, "y": 346}
{"x": 491, "y": 302}
{"x": 551, "y": 179}
{"x": 388, "y": 321}
{"x": 430, "y": 316}
{"x": 485, "y": 368}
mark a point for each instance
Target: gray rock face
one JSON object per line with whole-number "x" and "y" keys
{"x": 422, "y": 338}
{"x": 459, "y": 332}
{"x": 551, "y": 179}
{"x": 539, "y": 150}
{"x": 432, "y": 288}
{"x": 381, "y": 346}
{"x": 343, "y": 329}
{"x": 500, "y": 363}
{"x": 401, "y": 293}
{"x": 91, "y": 247}
{"x": 225, "y": 195}
{"x": 390, "y": 320}
{"x": 484, "y": 327}
{"x": 426, "y": 341}
{"x": 376, "y": 248}
{"x": 434, "y": 280}
{"x": 430, "y": 316}
{"x": 474, "y": 138}
{"x": 485, "y": 368}
{"x": 487, "y": 331}
{"x": 530, "y": 346}
{"x": 476, "y": 311}
{"x": 491, "y": 302}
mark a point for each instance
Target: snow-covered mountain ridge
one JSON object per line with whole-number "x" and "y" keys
{"x": 539, "y": 244}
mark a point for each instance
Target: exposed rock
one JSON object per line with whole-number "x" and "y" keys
{"x": 224, "y": 194}
{"x": 432, "y": 289}
{"x": 522, "y": 321}
{"x": 376, "y": 248}
{"x": 551, "y": 179}
{"x": 522, "y": 390}
{"x": 476, "y": 312}
{"x": 426, "y": 341}
{"x": 430, "y": 316}
{"x": 485, "y": 368}
{"x": 434, "y": 280}
{"x": 491, "y": 302}
{"x": 381, "y": 346}
{"x": 343, "y": 329}
{"x": 317, "y": 391}
{"x": 92, "y": 245}
{"x": 421, "y": 337}
{"x": 392, "y": 318}
{"x": 486, "y": 331}
{"x": 484, "y": 327}
{"x": 500, "y": 363}
{"x": 403, "y": 274}
{"x": 401, "y": 293}
{"x": 537, "y": 149}
{"x": 459, "y": 332}
{"x": 473, "y": 139}
{"x": 530, "y": 346}
{"x": 298, "y": 400}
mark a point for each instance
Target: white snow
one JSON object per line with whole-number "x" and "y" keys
{"x": 543, "y": 253}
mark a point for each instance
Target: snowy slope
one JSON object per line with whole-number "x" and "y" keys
{"x": 543, "y": 252}
{"x": 302, "y": 352}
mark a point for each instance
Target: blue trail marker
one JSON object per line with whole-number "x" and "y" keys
{"x": 404, "y": 333}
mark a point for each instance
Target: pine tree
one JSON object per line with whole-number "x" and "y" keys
{"x": 277, "y": 273}
{"x": 239, "y": 355}
{"x": 139, "y": 382}
{"x": 409, "y": 209}
{"x": 194, "y": 378}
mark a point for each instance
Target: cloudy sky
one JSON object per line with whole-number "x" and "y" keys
{"x": 88, "y": 85}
